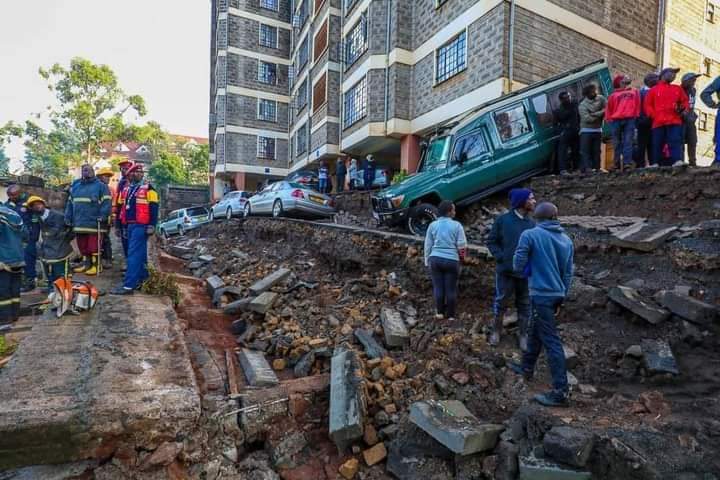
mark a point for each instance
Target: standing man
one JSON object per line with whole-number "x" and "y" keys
{"x": 502, "y": 242}
{"x": 340, "y": 172}
{"x": 592, "y": 111}
{"x": 17, "y": 200}
{"x": 55, "y": 248}
{"x": 547, "y": 252}
{"x": 87, "y": 210}
{"x": 643, "y": 153}
{"x": 665, "y": 104}
{"x": 567, "y": 119}
{"x": 707, "y": 97}
{"x": 121, "y": 232}
{"x": 353, "y": 170}
{"x": 690, "y": 137}
{"x": 622, "y": 112}
{"x": 105, "y": 174}
{"x": 12, "y": 260}
{"x": 369, "y": 172}
{"x": 323, "y": 175}
{"x": 139, "y": 204}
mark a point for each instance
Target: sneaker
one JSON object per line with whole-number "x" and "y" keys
{"x": 121, "y": 291}
{"x": 552, "y": 399}
{"x": 517, "y": 368}
{"x": 679, "y": 163}
{"x": 439, "y": 316}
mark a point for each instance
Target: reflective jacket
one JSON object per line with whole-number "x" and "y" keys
{"x": 31, "y": 227}
{"x": 88, "y": 203}
{"x": 139, "y": 204}
{"x": 56, "y": 237}
{"x": 12, "y": 255}
{"x": 665, "y": 103}
{"x": 116, "y": 197}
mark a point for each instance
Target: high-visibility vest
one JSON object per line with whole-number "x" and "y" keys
{"x": 141, "y": 212}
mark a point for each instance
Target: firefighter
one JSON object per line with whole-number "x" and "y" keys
{"x": 105, "y": 174}
{"x": 139, "y": 203}
{"x": 12, "y": 261}
{"x": 87, "y": 210}
{"x": 56, "y": 248}
{"x": 124, "y": 165}
{"x": 17, "y": 200}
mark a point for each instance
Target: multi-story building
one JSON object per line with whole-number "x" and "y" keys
{"x": 374, "y": 76}
{"x": 692, "y": 43}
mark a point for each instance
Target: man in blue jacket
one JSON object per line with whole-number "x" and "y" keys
{"x": 502, "y": 242}
{"x": 707, "y": 97}
{"x": 546, "y": 253}
{"x": 87, "y": 210}
{"x": 12, "y": 261}
{"x": 17, "y": 200}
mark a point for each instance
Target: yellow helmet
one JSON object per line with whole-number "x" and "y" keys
{"x": 34, "y": 198}
{"x": 105, "y": 171}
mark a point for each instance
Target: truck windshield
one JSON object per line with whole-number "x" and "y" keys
{"x": 437, "y": 154}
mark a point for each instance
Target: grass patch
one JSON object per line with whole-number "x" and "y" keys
{"x": 5, "y": 347}
{"x": 161, "y": 284}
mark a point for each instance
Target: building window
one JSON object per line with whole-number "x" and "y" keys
{"x": 710, "y": 12}
{"x": 320, "y": 93}
{"x": 302, "y": 14}
{"x": 268, "y": 36}
{"x": 266, "y": 148}
{"x": 302, "y": 95}
{"x": 267, "y": 73}
{"x": 318, "y": 5}
{"x": 301, "y": 140}
{"x": 356, "y": 103}
{"x": 450, "y": 59}
{"x": 269, "y": 4}
{"x": 321, "y": 40}
{"x": 512, "y": 122}
{"x": 356, "y": 42}
{"x": 707, "y": 67}
{"x": 349, "y": 4}
{"x": 303, "y": 53}
{"x": 703, "y": 121}
{"x": 267, "y": 110}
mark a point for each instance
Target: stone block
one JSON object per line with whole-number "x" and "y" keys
{"x": 257, "y": 370}
{"x": 231, "y": 292}
{"x": 396, "y": 333}
{"x": 688, "y": 307}
{"x": 658, "y": 357}
{"x": 568, "y": 445}
{"x": 349, "y": 469}
{"x": 268, "y": 282}
{"x": 206, "y": 258}
{"x": 180, "y": 251}
{"x": 451, "y": 424}
{"x": 375, "y": 454}
{"x": 347, "y": 400}
{"x": 630, "y": 299}
{"x": 213, "y": 284}
{"x": 372, "y": 348}
{"x": 642, "y": 236}
{"x": 536, "y": 469}
{"x": 238, "y": 306}
{"x": 263, "y": 302}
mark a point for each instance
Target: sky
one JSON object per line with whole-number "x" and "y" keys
{"x": 159, "y": 50}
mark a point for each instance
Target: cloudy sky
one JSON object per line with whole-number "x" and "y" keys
{"x": 158, "y": 48}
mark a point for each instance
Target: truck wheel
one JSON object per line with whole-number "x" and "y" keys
{"x": 420, "y": 218}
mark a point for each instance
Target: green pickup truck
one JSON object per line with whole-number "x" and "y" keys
{"x": 496, "y": 146}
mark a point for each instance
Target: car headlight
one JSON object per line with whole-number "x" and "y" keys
{"x": 397, "y": 201}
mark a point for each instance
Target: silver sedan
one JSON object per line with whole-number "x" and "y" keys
{"x": 285, "y": 198}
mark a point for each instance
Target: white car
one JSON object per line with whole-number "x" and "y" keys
{"x": 231, "y": 204}
{"x": 285, "y": 198}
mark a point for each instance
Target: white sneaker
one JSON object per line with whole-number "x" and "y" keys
{"x": 679, "y": 163}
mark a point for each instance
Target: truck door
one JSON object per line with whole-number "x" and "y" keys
{"x": 471, "y": 164}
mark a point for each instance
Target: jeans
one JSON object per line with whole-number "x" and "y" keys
{"x": 55, "y": 270}
{"x": 623, "y": 134}
{"x": 136, "y": 272}
{"x": 567, "y": 151}
{"x": 444, "y": 273}
{"x": 590, "y": 151}
{"x": 716, "y": 138}
{"x": 644, "y": 144}
{"x": 340, "y": 183}
{"x": 323, "y": 185}
{"x": 543, "y": 333}
{"x": 672, "y": 135}
{"x": 690, "y": 139}
{"x": 505, "y": 287}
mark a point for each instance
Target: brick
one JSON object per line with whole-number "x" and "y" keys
{"x": 347, "y": 401}
{"x": 688, "y": 307}
{"x": 256, "y": 368}
{"x": 396, "y": 333}
{"x": 451, "y": 424}
{"x": 630, "y": 299}
{"x": 349, "y": 469}
{"x": 263, "y": 302}
{"x": 270, "y": 281}
{"x": 375, "y": 454}
{"x": 372, "y": 348}
{"x": 213, "y": 284}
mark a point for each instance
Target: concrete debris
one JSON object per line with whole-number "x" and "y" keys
{"x": 238, "y": 306}
{"x": 263, "y": 302}
{"x": 164, "y": 455}
{"x": 452, "y": 424}
{"x": 568, "y": 445}
{"x": 630, "y": 299}
{"x": 688, "y": 307}
{"x": 634, "y": 351}
{"x": 226, "y": 295}
{"x": 642, "y": 236}
{"x": 257, "y": 370}
{"x": 537, "y": 469}
{"x": 658, "y": 357}
{"x": 571, "y": 358}
{"x": 206, "y": 258}
{"x": 347, "y": 398}
{"x": 349, "y": 469}
{"x": 213, "y": 284}
{"x": 396, "y": 333}
{"x": 372, "y": 348}
{"x": 304, "y": 366}
{"x": 270, "y": 281}
{"x": 374, "y": 455}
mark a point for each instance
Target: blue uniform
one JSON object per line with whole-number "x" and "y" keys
{"x": 11, "y": 263}
{"x": 88, "y": 203}
{"x": 707, "y": 98}
{"x": 30, "y": 237}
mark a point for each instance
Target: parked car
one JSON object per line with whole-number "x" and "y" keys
{"x": 231, "y": 204}
{"x": 382, "y": 178}
{"x": 500, "y": 144}
{"x": 308, "y": 178}
{"x": 288, "y": 198}
{"x": 183, "y": 220}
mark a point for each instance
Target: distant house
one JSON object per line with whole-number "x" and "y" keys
{"x": 133, "y": 151}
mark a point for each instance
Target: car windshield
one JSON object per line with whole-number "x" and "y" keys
{"x": 196, "y": 212}
{"x": 437, "y": 153}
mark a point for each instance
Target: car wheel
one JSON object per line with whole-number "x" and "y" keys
{"x": 228, "y": 213}
{"x": 211, "y": 217}
{"x": 421, "y": 217}
{"x": 277, "y": 210}
{"x": 181, "y": 231}
{"x": 246, "y": 210}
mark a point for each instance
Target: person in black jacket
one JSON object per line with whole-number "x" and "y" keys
{"x": 502, "y": 243}
{"x": 567, "y": 119}
{"x": 55, "y": 248}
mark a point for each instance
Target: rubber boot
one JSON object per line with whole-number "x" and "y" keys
{"x": 83, "y": 266}
{"x": 93, "y": 270}
{"x": 496, "y": 331}
{"x": 523, "y": 334}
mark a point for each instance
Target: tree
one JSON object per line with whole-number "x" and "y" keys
{"x": 198, "y": 163}
{"x": 4, "y": 163}
{"x": 168, "y": 169}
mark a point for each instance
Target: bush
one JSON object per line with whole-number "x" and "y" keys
{"x": 399, "y": 176}
{"x": 161, "y": 284}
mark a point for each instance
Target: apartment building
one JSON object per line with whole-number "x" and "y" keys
{"x": 692, "y": 43}
{"x": 373, "y": 76}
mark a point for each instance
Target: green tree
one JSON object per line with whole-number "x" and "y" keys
{"x": 4, "y": 162}
{"x": 198, "y": 163}
{"x": 168, "y": 168}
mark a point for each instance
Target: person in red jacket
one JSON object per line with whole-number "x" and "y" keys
{"x": 622, "y": 112}
{"x": 665, "y": 104}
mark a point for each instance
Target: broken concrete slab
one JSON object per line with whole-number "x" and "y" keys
{"x": 79, "y": 386}
{"x": 347, "y": 400}
{"x": 396, "y": 333}
{"x": 642, "y": 236}
{"x": 688, "y": 307}
{"x": 180, "y": 251}
{"x": 658, "y": 357}
{"x": 630, "y": 299}
{"x": 263, "y": 303}
{"x": 537, "y": 469}
{"x": 372, "y": 348}
{"x": 206, "y": 258}
{"x": 213, "y": 284}
{"x": 451, "y": 424}
{"x": 268, "y": 282}
{"x": 413, "y": 454}
{"x": 231, "y": 292}
{"x": 238, "y": 306}
{"x": 568, "y": 445}
{"x": 257, "y": 369}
